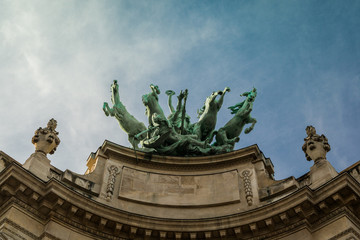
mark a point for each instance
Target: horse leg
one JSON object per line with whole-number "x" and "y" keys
{"x": 197, "y": 131}
{"x": 221, "y": 138}
{"x": 133, "y": 141}
{"x": 178, "y": 108}
{"x": 210, "y": 138}
{"x": 250, "y": 120}
{"x": 233, "y": 140}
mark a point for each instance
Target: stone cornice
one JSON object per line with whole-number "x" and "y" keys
{"x": 112, "y": 149}
{"x": 18, "y": 228}
{"x": 251, "y": 154}
{"x": 54, "y": 196}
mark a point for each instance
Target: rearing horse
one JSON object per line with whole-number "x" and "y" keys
{"x": 127, "y": 122}
{"x": 229, "y": 134}
{"x": 175, "y": 117}
{"x": 151, "y": 102}
{"x": 208, "y": 115}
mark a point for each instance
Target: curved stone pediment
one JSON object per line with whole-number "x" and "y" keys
{"x": 176, "y": 187}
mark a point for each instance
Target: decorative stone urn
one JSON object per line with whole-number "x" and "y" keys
{"x": 315, "y": 148}
{"x": 46, "y": 141}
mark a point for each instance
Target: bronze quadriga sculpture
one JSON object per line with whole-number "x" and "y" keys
{"x": 175, "y": 135}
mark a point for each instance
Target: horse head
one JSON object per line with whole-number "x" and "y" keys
{"x": 210, "y": 101}
{"x": 246, "y": 104}
{"x": 148, "y": 98}
{"x": 155, "y": 89}
{"x": 207, "y": 103}
{"x": 212, "y": 97}
{"x": 250, "y": 96}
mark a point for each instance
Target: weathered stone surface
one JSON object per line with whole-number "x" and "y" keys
{"x": 46, "y": 141}
{"x": 180, "y": 190}
{"x": 127, "y": 122}
{"x": 315, "y": 146}
{"x": 65, "y": 208}
{"x": 38, "y": 164}
{"x": 279, "y": 188}
{"x": 2, "y": 165}
{"x": 321, "y": 172}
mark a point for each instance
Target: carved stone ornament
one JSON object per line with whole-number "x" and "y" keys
{"x": 113, "y": 171}
{"x": 46, "y": 139}
{"x": 315, "y": 146}
{"x": 247, "y": 186}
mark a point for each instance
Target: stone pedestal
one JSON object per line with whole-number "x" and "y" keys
{"x": 38, "y": 164}
{"x": 321, "y": 172}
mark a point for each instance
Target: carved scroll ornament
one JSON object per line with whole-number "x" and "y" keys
{"x": 113, "y": 171}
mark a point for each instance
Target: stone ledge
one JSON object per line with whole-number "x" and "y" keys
{"x": 115, "y": 150}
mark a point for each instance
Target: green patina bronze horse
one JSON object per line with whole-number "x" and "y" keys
{"x": 175, "y": 135}
{"x": 229, "y": 134}
{"x": 127, "y": 122}
{"x": 151, "y": 102}
{"x": 178, "y": 117}
{"x": 208, "y": 115}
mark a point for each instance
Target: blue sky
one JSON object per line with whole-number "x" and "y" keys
{"x": 58, "y": 59}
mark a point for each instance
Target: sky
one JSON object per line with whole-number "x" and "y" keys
{"x": 59, "y": 58}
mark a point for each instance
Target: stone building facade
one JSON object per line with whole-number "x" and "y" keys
{"x": 128, "y": 195}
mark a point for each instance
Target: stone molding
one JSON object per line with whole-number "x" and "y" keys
{"x": 115, "y": 151}
{"x": 3, "y": 237}
{"x": 90, "y": 230}
{"x": 79, "y": 181}
{"x": 46, "y": 235}
{"x": 304, "y": 202}
{"x": 355, "y": 172}
{"x": 18, "y": 228}
{"x": 288, "y": 229}
{"x": 347, "y": 232}
{"x": 56, "y": 200}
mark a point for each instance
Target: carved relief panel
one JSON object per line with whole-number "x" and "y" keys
{"x": 179, "y": 190}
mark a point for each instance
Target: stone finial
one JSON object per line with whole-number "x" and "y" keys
{"x": 315, "y": 146}
{"x": 46, "y": 139}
